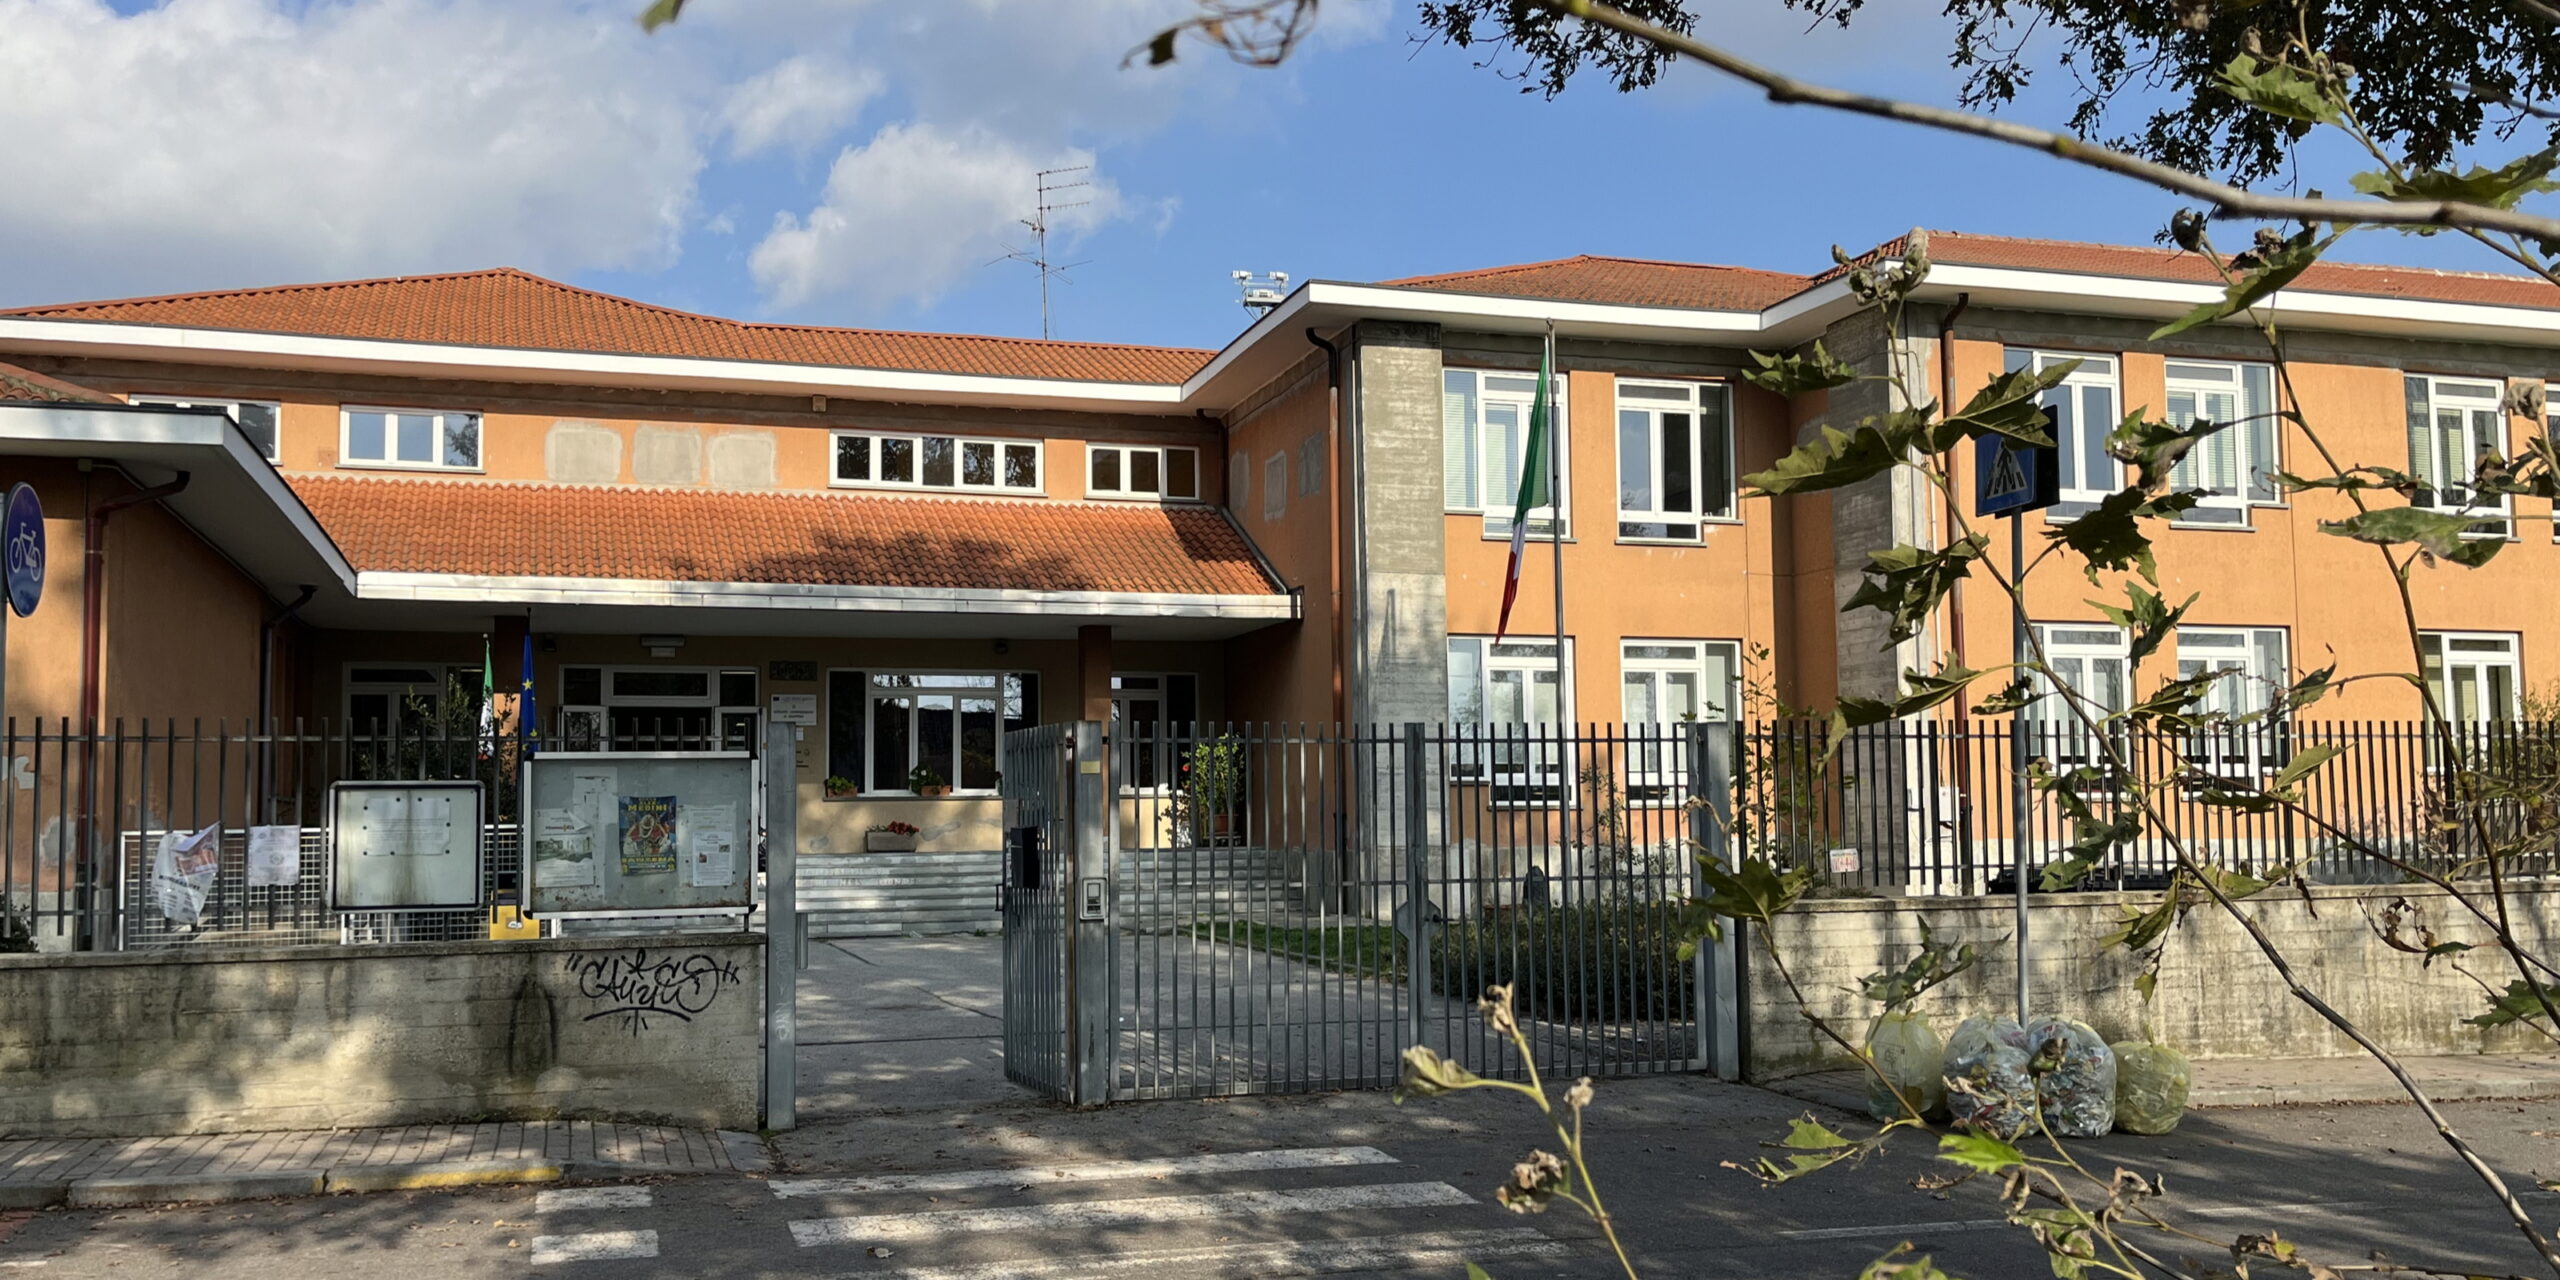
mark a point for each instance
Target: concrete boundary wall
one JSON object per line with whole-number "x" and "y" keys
{"x": 2217, "y": 996}
{"x": 661, "y": 1029}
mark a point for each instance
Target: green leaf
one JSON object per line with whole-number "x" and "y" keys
{"x": 2153, "y": 449}
{"x": 2145, "y": 983}
{"x": 2008, "y": 407}
{"x": 2021, "y": 693}
{"x": 2518, "y": 1004}
{"x": 2110, "y": 537}
{"x": 2143, "y": 926}
{"x": 1838, "y": 458}
{"x": 2277, "y": 89}
{"x": 2147, "y": 616}
{"x": 1816, "y": 1147}
{"x": 2167, "y": 706}
{"x": 1793, "y": 374}
{"x": 2258, "y": 279}
{"x": 2438, "y": 533}
{"x": 1753, "y": 888}
{"x": 2354, "y": 479}
{"x": 660, "y": 14}
{"x": 1475, "y": 1272}
{"x": 2499, "y": 188}
{"x": 1980, "y": 1152}
{"x": 2310, "y": 688}
{"x": 2303, "y": 762}
{"x": 2221, "y": 795}
{"x": 1905, "y": 583}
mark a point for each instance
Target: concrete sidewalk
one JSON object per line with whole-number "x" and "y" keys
{"x": 41, "y": 1172}
{"x": 2297, "y": 1082}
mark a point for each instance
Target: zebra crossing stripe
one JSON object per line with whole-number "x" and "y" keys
{"x": 809, "y": 1233}
{"x": 1375, "y": 1253}
{"x": 1038, "y": 1175}
{"x": 591, "y": 1198}
{"x": 593, "y": 1246}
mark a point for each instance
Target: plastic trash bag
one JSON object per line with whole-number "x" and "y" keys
{"x": 2151, "y": 1086}
{"x": 1907, "y": 1054}
{"x": 1987, "y": 1085}
{"x": 2078, "y": 1095}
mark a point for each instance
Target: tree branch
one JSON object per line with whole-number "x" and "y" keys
{"x": 2227, "y": 201}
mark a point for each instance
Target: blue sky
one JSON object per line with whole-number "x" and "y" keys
{"x": 845, "y": 162}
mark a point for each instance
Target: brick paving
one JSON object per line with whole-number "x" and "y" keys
{"x": 638, "y": 1148}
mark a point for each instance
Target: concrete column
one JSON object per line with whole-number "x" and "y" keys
{"x": 1401, "y": 591}
{"x": 1093, "y": 673}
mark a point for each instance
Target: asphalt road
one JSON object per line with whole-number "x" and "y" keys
{"x": 1342, "y": 1184}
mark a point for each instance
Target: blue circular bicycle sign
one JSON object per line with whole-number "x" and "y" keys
{"x": 22, "y": 532}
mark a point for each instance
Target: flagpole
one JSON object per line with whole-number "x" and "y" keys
{"x": 1555, "y": 524}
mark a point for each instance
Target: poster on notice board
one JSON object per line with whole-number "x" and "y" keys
{"x": 648, "y": 835}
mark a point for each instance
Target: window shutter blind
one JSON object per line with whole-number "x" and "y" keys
{"x": 2422, "y": 443}
{"x": 1458, "y": 447}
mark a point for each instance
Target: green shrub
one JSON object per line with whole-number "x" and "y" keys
{"x": 1596, "y": 961}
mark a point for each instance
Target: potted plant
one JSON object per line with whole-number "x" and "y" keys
{"x": 1211, "y": 789}
{"x": 891, "y": 837}
{"x": 838, "y": 786}
{"x": 925, "y": 780}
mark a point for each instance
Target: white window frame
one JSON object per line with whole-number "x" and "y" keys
{"x": 350, "y": 688}
{"x": 1657, "y": 747}
{"x": 2244, "y": 450}
{"x": 2247, "y": 688}
{"x": 2098, "y": 372}
{"x": 1710, "y": 508}
{"x": 275, "y": 433}
{"x": 1164, "y": 472}
{"x": 391, "y": 438}
{"x": 2507, "y": 656}
{"x": 723, "y": 714}
{"x": 874, "y": 457}
{"x": 2481, "y": 408}
{"x": 1470, "y": 443}
{"x": 1169, "y": 738}
{"x": 1527, "y": 769}
{"x": 1275, "y": 486}
{"x": 2060, "y": 733}
{"x": 985, "y": 685}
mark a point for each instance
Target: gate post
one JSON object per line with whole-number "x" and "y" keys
{"x": 1417, "y": 885}
{"x": 1715, "y": 971}
{"x": 1092, "y": 976}
{"x": 781, "y": 929}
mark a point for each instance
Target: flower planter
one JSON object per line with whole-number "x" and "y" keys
{"x": 935, "y": 791}
{"x": 888, "y": 842}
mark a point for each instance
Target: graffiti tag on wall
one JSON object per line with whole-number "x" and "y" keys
{"x": 636, "y": 986}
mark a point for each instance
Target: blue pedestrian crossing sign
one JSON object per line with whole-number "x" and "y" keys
{"x": 2010, "y": 477}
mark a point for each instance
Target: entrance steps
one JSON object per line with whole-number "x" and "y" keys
{"x": 869, "y": 895}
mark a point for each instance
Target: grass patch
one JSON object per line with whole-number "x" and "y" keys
{"x": 1367, "y": 950}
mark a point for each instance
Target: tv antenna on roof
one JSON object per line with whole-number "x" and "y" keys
{"x": 1047, "y": 188}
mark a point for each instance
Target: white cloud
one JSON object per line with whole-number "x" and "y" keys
{"x": 908, "y": 213}
{"x": 799, "y": 102}
{"x": 211, "y": 142}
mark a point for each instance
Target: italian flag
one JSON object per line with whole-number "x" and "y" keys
{"x": 1533, "y": 482}
{"x": 488, "y": 702}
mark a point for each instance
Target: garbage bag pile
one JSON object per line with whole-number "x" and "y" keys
{"x": 2151, "y": 1086}
{"x": 2075, "y": 1077}
{"x": 1908, "y": 1059}
{"x": 1988, "y": 1087}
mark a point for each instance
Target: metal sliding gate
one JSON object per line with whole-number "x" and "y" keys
{"x": 1198, "y": 911}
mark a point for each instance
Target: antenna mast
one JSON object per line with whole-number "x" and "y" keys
{"x": 1046, "y": 188}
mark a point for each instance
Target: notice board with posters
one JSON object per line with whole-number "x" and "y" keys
{"x": 639, "y": 831}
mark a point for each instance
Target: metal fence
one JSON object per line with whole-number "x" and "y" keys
{"x": 1930, "y": 808}
{"x": 83, "y": 814}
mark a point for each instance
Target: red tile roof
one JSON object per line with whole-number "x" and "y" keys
{"x": 27, "y": 384}
{"x": 2154, "y": 262}
{"x": 507, "y": 528}
{"x": 510, "y": 308}
{"x": 1636, "y": 282}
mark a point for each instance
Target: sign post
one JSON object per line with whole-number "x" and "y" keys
{"x": 2012, "y": 478}
{"x": 22, "y": 538}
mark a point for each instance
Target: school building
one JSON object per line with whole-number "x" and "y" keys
{"x": 320, "y": 501}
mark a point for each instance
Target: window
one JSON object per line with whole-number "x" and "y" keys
{"x": 1275, "y": 486}
{"x": 423, "y": 438}
{"x": 866, "y": 460}
{"x": 2455, "y": 423}
{"x": 2084, "y": 410}
{"x": 2255, "y": 675}
{"x": 897, "y": 732}
{"x": 1165, "y": 474}
{"x": 2091, "y": 661}
{"x": 1665, "y": 685}
{"x": 408, "y": 698}
{"x": 658, "y": 709}
{"x": 2234, "y": 468}
{"x": 1503, "y": 706}
{"x": 257, "y": 418}
{"x": 1153, "y": 717}
{"x": 2475, "y": 676}
{"x": 1311, "y": 467}
{"x": 1675, "y": 459}
{"x": 1484, "y": 421}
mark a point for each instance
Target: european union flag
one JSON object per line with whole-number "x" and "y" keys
{"x": 528, "y": 720}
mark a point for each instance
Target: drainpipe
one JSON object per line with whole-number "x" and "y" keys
{"x": 1333, "y": 508}
{"x": 93, "y": 568}
{"x": 266, "y": 695}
